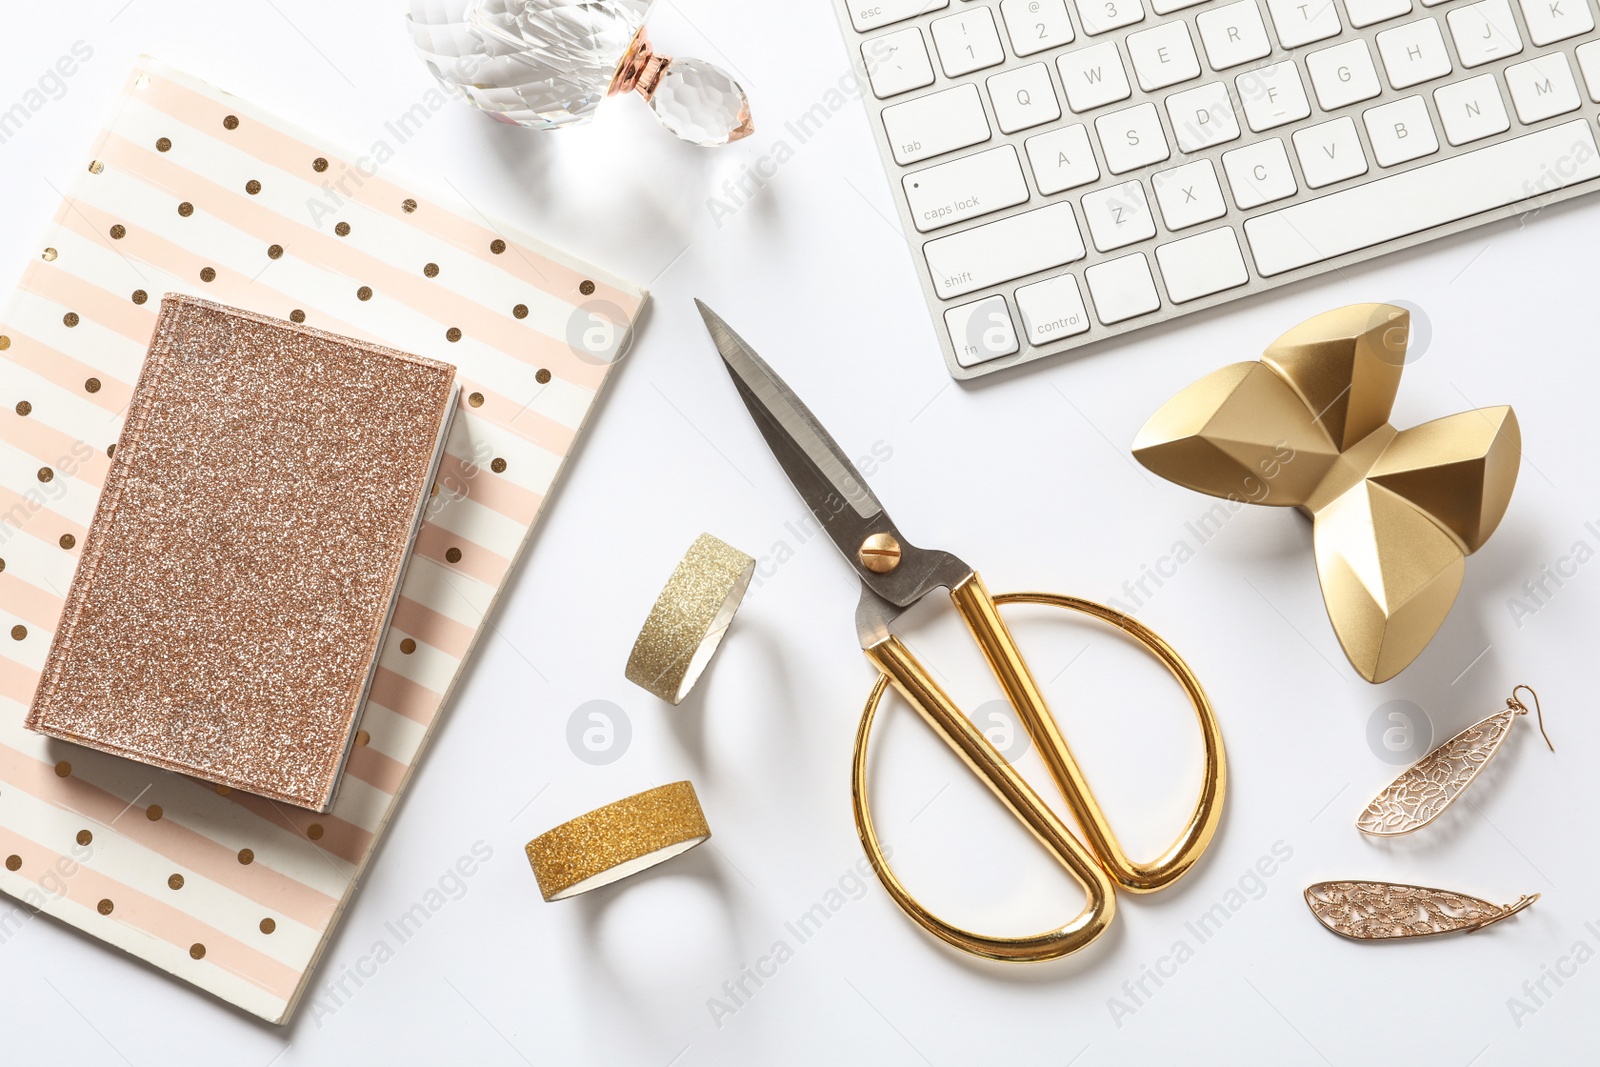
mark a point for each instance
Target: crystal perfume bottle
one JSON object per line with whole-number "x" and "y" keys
{"x": 544, "y": 64}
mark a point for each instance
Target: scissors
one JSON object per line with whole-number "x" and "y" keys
{"x": 895, "y": 574}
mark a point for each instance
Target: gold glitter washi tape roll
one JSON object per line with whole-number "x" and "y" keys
{"x": 689, "y": 618}
{"x": 620, "y": 839}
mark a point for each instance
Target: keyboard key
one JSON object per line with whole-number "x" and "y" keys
{"x": 1052, "y": 310}
{"x": 1272, "y": 96}
{"x": 1556, "y": 20}
{"x": 1366, "y": 12}
{"x": 1062, "y": 159}
{"x": 1202, "y": 117}
{"x": 965, "y": 188}
{"x": 897, "y": 62}
{"x": 996, "y": 252}
{"x": 1330, "y": 152}
{"x": 1167, "y": 7}
{"x": 1484, "y": 32}
{"x": 1343, "y": 74}
{"x": 1118, "y": 216}
{"x": 1198, "y": 266}
{"x": 1233, "y": 34}
{"x": 1122, "y": 288}
{"x": 1093, "y": 76}
{"x": 981, "y": 331}
{"x": 1589, "y": 62}
{"x": 1035, "y": 25}
{"x": 1132, "y": 138}
{"x": 1400, "y": 132}
{"x": 1163, "y": 56}
{"x": 1471, "y": 109}
{"x": 1259, "y": 173}
{"x": 1023, "y": 98}
{"x": 967, "y": 42}
{"x": 1414, "y": 53}
{"x": 934, "y": 124}
{"x": 1300, "y": 22}
{"x": 1101, "y": 16}
{"x": 1542, "y": 87}
{"x": 1416, "y": 200}
{"x": 1188, "y": 195}
{"x": 870, "y": 14}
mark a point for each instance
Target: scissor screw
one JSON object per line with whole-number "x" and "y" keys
{"x": 879, "y": 553}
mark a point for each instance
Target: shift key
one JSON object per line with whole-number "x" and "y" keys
{"x": 1000, "y": 251}
{"x": 935, "y": 124}
{"x": 965, "y": 188}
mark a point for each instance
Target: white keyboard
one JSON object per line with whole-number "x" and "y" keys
{"x": 1070, "y": 170}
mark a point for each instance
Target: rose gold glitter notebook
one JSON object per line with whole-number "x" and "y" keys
{"x": 227, "y": 614}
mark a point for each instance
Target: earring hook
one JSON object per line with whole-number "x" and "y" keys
{"x": 1520, "y": 706}
{"x": 1510, "y": 909}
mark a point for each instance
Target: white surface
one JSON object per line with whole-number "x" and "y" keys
{"x": 1048, "y": 498}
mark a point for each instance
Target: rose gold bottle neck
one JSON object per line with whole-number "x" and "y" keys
{"x": 640, "y": 70}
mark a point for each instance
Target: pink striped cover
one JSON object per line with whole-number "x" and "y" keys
{"x": 188, "y": 184}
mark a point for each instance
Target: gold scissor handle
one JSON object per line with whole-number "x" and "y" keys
{"x": 981, "y": 614}
{"x": 912, "y": 680}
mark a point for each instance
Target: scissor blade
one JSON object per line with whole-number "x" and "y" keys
{"x": 829, "y": 483}
{"x": 771, "y": 400}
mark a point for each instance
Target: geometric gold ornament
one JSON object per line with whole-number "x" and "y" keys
{"x": 1395, "y": 513}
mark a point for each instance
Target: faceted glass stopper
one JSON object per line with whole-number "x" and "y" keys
{"x": 549, "y": 63}
{"x": 535, "y": 63}
{"x": 701, "y": 103}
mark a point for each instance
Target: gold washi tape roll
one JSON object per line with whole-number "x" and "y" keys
{"x": 620, "y": 839}
{"x": 689, "y": 618}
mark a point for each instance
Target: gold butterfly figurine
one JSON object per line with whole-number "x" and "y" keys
{"x": 1395, "y": 512}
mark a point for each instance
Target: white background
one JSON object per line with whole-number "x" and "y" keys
{"x": 1028, "y": 478}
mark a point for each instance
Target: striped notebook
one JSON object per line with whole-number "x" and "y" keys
{"x": 190, "y": 190}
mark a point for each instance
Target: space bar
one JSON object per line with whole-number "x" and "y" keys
{"x": 1382, "y": 210}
